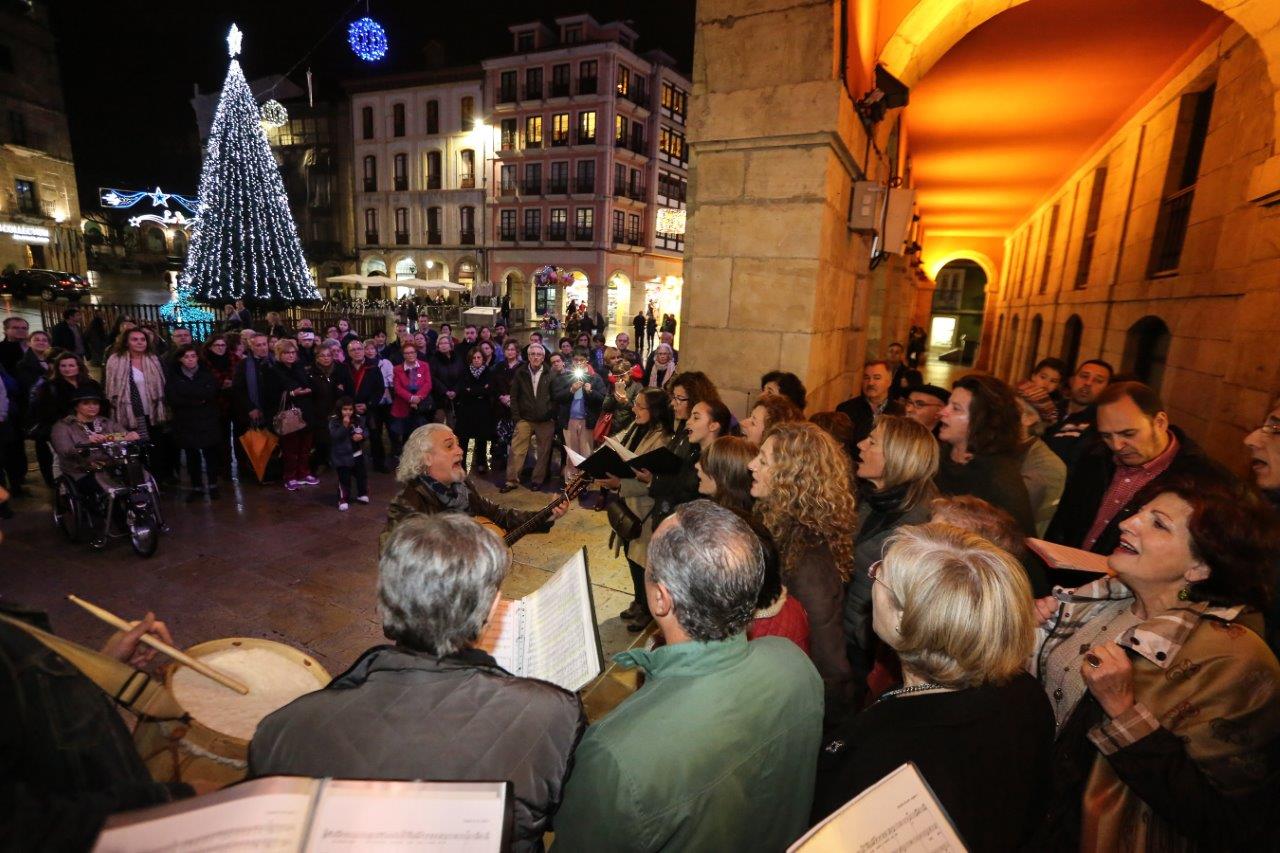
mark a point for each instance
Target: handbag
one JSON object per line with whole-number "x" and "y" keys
{"x": 623, "y": 521}
{"x": 287, "y": 421}
{"x": 604, "y": 426}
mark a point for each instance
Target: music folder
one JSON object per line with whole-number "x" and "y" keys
{"x": 550, "y": 634}
{"x": 290, "y": 813}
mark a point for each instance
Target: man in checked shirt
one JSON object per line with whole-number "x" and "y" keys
{"x": 1137, "y": 446}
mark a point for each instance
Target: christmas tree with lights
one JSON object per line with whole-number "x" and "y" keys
{"x": 244, "y": 244}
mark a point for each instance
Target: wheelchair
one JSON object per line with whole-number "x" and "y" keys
{"x": 126, "y": 503}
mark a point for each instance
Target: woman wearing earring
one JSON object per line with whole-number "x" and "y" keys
{"x": 1166, "y": 697}
{"x": 958, "y": 612}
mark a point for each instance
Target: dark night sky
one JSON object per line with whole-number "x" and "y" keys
{"x": 128, "y": 66}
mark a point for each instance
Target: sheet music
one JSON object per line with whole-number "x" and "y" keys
{"x": 575, "y": 459}
{"x": 561, "y": 628}
{"x": 268, "y": 814}
{"x": 620, "y": 448}
{"x": 1063, "y": 557}
{"x": 898, "y": 813}
{"x": 390, "y": 816}
{"x": 503, "y": 638}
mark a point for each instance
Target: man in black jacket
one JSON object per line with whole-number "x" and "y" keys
{"x": 876, "y": 399}
{"x": 1137, "y": 446}
{"x": 1076, "y": 430}
{"x": 250, "y": 397}
{"x": 68, "y": 335}
{"x": 433, "y": 704}
{"x": 534, "y": 414}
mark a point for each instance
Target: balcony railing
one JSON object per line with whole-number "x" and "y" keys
{"x": 433, "y": 182}
{"x": 434, "y": 238}
{"x": 533, "y": 93}
{"x": 638, "y": 146}
{"x": 506, "y": 94}
{"x": 559, "y": 141}
{"x": 619, "y": 236}
{"x": 620, "y": 192}
{"x": 467, "y": 182}
{"x": 559, "y": 187}
{"x": 584, "y": 185}
{"x": 371, "y": 185}
{"x": 634, "y": 238}
{"x": 559, "y": 90}
{"x": 556, "y": 232}
{"x": 587, "y": 85}
{"x": 507, "y": 235}
{"x": 371, "y": 238}
{"x": 401, "y": 183}
{"x": 584, "y": 139}
{"x": 533, "y": 234}
{"x": 636, "y": 193}
{"x": 467, "y": 238}
{"x": 531, "y": 188}
{"x": 584, "y": 234}
{"x": 532, "y": 144}
{"x": 402, "y": 238}
{"x": 507, "y": 189}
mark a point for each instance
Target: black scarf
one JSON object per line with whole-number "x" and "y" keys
{"x": 885, "y": 506}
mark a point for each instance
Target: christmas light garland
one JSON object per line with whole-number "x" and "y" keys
{"x": 245, "y": 244}
{"x": 368, "y": 39}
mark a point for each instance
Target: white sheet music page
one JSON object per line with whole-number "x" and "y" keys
{"x": 463, "y": 817}
{"x": 562, "y": 644}
{"x": 621, "y": 448}
{"x": 502, "y": 636}
{"x": 898, "y": 813}
{"x": 263, "y": 815}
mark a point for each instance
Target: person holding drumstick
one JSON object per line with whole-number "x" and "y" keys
{"x": 67, "y": 761}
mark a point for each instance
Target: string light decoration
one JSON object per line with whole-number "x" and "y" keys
{"x": 368, "y": 39}
{"x": 274, "y": 114}
{"x": 244, "y": 244}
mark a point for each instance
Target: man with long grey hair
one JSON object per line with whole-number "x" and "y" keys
{"x": 433, "y": 706}
{"x": 718, "y": 749}
{"x": 434, "y": 481}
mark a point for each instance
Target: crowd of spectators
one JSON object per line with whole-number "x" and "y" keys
{"x": 834, "y": 595}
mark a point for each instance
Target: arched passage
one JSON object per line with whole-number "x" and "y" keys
{"x": 1146, "y": 350}
{"x": 955, "y": 325}
{"x": 619, "y": 299}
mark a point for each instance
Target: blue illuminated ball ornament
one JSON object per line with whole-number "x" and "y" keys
{"x": 368, "y": 39}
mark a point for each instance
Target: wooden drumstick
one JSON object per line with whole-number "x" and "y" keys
{"x": 161, "y": 646}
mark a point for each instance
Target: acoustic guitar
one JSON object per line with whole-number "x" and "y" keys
{"x": 509, "y": 537}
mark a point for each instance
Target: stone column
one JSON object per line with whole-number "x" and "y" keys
{"x": 773, "y": 277}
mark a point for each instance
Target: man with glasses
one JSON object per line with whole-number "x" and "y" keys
{"x": 924, "y": 404}
{"x": 14, "y": 345}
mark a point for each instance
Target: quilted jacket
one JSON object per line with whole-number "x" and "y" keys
{"x": 400, "y": 714}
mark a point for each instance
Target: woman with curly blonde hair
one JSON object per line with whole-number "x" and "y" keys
{"x": 801, "y": 483}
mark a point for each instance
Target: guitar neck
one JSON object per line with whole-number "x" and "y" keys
{"x": 534, "y": 521}
{"x": 543, "y": 514}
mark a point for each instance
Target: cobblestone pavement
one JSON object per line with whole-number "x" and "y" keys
{"x": 286, "y": 566}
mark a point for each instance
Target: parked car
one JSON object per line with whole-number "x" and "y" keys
{"x": 47, "y": 284}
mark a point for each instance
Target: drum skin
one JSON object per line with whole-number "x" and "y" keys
{"x": 194, "y": 753}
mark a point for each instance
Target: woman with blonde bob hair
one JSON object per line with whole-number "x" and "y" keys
{"x": 959, "y": 613}
{"x": 896, "y": 466}
{"x": 800, "y": 480}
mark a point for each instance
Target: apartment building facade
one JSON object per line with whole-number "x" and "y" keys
{"x": 419, "y": 147}
{"x": 588, "y": 170}
{"x": 39, "y": 207}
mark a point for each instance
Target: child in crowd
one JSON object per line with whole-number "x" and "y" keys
{"x": 346, "y": 452}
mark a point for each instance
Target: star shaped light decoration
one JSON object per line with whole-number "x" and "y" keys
{"x": 233, "y": 41}
{"x": 159, "y": 198}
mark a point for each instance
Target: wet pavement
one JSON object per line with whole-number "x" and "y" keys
{"x": 286, "y": 566}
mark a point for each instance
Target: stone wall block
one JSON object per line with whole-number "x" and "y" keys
{"x": 773, "y": 295}
{"x": 798, "y": 108}
{"x": 706, "y": 292}
{"x": 719, "y": 175}
{"x": 771, "y": 61}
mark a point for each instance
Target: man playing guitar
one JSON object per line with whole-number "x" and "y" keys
{"x": 434, "y": 481}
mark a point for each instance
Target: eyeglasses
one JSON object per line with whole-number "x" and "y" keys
{"x": 679, "y": 399}
{"x": 920, "y": 404}
{"x": 874, "y": 572}
{"x": 1270, "y": 428}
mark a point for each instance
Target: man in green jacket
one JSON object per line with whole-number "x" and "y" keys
{"x": 717, "y": 751}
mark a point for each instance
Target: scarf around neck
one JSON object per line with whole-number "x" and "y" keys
{"x": 454, "y": 496}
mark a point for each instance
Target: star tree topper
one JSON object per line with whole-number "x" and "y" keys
{"x": 233, "y": 41}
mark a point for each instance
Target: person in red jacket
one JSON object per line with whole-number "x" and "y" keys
{"x": 410, "y": 395}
